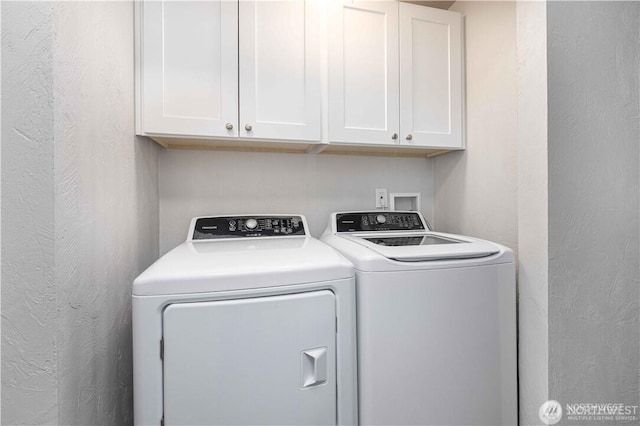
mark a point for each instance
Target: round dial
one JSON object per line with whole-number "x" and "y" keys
{"x": 251, "y": 223}
{"x": 381, "y": 218}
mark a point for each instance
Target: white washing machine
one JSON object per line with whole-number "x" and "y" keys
{"x": 436, "y": 322}
{"x": 250, "y": 321}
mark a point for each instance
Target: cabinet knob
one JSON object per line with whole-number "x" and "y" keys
{"x": 248, "y": 127}
{"x": 394, "y": 136}
{"x": 409, "y": 136}
{"x": 229, "y": 126}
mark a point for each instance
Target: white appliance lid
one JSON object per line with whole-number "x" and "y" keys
{"x": 238, "y": 252}
{"x": 425, "y": 246}
{"x": 405, "y": 236}
{"x": 208, "y": 266}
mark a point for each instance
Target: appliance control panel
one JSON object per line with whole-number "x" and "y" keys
{"x": 379, "y": 221}
{"x": 211, "y": 228}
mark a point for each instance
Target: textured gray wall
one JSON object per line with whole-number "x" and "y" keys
{"x": 81, "y": 192}
{"x": 106, "y": 209}
{"x": 594, "y": 202}
{"x": 196, "y": 183}
{"x": 29, "y": 321}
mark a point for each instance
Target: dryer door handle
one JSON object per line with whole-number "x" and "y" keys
{"x": 314, "y": 367}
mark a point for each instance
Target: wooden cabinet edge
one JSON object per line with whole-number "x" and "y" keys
{"x": 235, "y": 144}
{"x": 247, "y": 145}
{"x": 385, "y": 151}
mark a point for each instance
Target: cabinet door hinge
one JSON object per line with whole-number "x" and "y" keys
{"x": 161, "y": 348}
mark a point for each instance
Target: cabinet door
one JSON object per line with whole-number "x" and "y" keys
{"x": 189, "y": 67}
{"x": 363, "y": 72}
{"x": 431, "y": 90}
{"x": 257, "y": 361}
{"x": 280, "y": 88}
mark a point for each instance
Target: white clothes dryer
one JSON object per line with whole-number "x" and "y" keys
{"x": 250, "y": 321}
{"x": 436, "y": 322}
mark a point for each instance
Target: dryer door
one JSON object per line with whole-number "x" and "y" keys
{"x": 263, "y": 360}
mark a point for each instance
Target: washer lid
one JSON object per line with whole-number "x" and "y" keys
{"x": 247, "y": 263}
{"x": 411, "y": 247}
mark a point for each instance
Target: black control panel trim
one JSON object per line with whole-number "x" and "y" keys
{"x": 378, "y": 221}
{"x": 211, "y": 228}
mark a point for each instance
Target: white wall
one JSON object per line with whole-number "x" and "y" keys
{"x": 196, "y": 183}
{"x": 83, "y": 189}
{"x": 594, "y": 208}
{"x": 533, "y": 230}
{"x": 475, "y": 189}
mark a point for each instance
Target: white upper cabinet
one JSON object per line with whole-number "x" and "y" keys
{"x": 301, "y": 75}
{"x": 188, "y": 68}
{"x": 431, "y": 91}
{"x": 363, "y": 72}
{"x": 395, "y": 75}
{"x": 228, "y": 69}
{"x": 280, "y": 86}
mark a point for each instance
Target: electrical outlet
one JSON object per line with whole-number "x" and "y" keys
{"x": 382, "y": 199}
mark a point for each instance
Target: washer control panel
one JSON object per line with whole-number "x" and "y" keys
{"x": 378, "y": 221}
{"x": 211, "y": 228}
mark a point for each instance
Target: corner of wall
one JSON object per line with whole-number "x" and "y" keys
{"x": 533, "y": 228}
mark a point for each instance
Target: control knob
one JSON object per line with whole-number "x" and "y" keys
{"x": 251, "y": 224}
{"x": 381, "y": 218}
